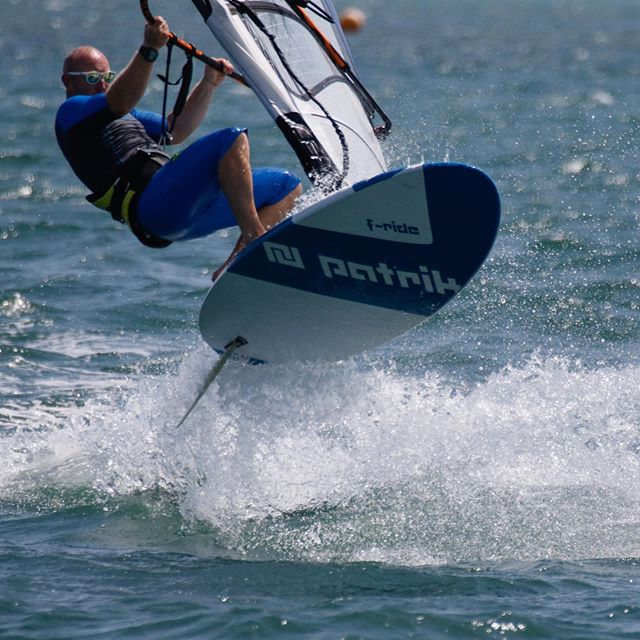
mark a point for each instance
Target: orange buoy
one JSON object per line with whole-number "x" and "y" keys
{"x": 352, "y": 19}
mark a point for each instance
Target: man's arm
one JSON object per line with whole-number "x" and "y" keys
{"x": 198, "y": 102}
{"x": 130, "y": 84}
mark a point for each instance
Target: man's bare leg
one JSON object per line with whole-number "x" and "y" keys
{"x": 273, "y": 213}
{"x": 236, "y": 181}
{"x": 269, "y": 216}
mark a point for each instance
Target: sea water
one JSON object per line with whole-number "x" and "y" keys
{"x": 479, "y": 477}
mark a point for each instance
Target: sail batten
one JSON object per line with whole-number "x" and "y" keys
{"x": 302, "y": 71}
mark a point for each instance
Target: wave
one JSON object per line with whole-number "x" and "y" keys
{"x": 350, "y": 462}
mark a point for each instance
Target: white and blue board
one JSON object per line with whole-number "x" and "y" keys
{"x": 357, "y": 269}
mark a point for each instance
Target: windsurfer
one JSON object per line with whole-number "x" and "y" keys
{"x": 114, "y": 149}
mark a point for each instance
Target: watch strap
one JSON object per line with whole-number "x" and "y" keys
{"x": 148, "y": 53}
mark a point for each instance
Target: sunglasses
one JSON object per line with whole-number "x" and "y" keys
{"x": 93, "y": 77}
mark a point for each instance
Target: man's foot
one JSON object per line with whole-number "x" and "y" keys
{"x": 243, "y": 241}
{"x": 268, "y": 217}
{"x": 238, "y": 248}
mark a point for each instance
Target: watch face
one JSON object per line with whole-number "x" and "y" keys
{"x": 148, "y": 53}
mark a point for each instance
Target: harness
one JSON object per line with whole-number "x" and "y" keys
{"x": 121, "y": 198}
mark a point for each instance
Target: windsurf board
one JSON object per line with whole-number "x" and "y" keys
{"x": 357, "y": 269}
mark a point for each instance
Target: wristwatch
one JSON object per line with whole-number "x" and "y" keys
{"x": 148, "y": 53}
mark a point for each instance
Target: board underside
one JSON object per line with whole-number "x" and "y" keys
{"x": 357, "y": 269}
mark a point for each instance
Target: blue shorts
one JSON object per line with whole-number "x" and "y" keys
{"x": 183, "y": 199}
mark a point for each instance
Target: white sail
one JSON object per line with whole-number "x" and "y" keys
{"x": 295, "y": 57}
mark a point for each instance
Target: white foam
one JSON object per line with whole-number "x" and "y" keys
{"x": 347, "y": 462}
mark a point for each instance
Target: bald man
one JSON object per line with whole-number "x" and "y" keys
{"x": 115, "y": 150}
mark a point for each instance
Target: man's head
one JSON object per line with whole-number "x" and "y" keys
{"x": 84, "y": 59}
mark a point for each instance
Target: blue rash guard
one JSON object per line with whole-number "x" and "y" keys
{"x": 183, "y": 200}
{"x": 96, "y": 143}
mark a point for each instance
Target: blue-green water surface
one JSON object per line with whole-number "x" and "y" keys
{"x": 477, "y": 478}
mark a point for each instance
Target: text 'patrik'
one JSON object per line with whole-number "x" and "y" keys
{"x": 430, "y": 280}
